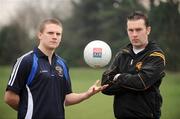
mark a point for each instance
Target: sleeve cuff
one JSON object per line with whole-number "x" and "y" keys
{"x": 116, "y": 77}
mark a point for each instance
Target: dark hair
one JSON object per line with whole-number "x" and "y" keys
{"x": 49, "y": 21}
{"x": 138, "y": 15}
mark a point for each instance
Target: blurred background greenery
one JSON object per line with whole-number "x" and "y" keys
{"x": 87, "y": 20}
{"x": 84, "y": 21}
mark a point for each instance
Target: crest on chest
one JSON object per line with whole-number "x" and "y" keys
{"x": 59, "y": 70}
{"x": 138, "y": 66}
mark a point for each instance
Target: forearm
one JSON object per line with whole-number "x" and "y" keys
{"x": 113, "y": 90}
{"x": 151, "y": 72}
{"x": 107, "y": 78}
{"x": 132, "y": 82}
{"x": 74, "y": 98}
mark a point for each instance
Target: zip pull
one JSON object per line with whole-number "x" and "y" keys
{"x": 131, "y": 62}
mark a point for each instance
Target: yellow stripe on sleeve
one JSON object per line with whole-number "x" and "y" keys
{"x": 158, "y": 54}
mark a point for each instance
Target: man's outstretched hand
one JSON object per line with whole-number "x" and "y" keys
{"x": 96, "y": 88}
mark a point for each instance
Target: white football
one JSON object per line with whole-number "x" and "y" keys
{"x": 97, "y": 54}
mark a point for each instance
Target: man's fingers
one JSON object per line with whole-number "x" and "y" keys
{"x": 94, "y": 89}
{"x": 97, "y": 87}
{"x": 97, "y": 82}
{"x": 104, "y": 86}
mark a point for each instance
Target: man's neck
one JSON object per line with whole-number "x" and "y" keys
{"x": 137, "y": 49}
{"x": 47, "y": 52}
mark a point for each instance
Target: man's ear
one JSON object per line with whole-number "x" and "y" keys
{"x": 148, "y": 30}
{"x": 39, "y": 35}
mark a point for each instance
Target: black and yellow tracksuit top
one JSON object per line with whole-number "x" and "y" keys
{"x": 136, "y": 91}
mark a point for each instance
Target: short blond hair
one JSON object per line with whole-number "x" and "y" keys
{"x": 49, "y": 21}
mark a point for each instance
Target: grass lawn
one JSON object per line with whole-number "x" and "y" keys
{"x": 99, "y": 106}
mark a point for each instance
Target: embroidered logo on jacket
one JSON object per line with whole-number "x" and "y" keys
{"x": 43, "y": 71}
{"x": 138, "y": 66}
{"x": 59, "y": 71}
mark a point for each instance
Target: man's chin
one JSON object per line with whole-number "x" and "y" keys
{"x": 52, "y": 47}
{"x": 135, "y": 44}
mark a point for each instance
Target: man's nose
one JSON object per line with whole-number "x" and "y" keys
{"x": 55, "y": 35}
{"x": 134, "y": 33}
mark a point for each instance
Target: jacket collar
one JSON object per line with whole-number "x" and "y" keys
{"x": 129, "y": 49}
{"x": 40, "y": 54}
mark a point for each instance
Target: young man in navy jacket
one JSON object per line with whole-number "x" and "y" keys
{"x": 39, "y": 84}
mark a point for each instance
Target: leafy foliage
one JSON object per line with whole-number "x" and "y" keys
{"x": 94, "y": 20}
{"x": 98, "y": 20}
{"x": 14, "y": 42}
{"x": 165, "y": 29}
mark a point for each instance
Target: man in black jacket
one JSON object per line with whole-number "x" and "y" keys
{"x": 136, "y": 73}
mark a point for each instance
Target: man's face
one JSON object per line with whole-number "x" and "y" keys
{"x": 138, "y": 33}
{"x": 51, "y": 36}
